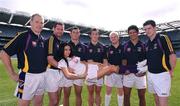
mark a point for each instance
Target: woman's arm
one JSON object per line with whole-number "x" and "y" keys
{"x": 70, "y": 75}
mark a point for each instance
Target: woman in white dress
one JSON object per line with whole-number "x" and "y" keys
{"x": 73, "y": 68}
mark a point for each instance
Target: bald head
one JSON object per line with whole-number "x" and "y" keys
{"x": 37, "y": 23}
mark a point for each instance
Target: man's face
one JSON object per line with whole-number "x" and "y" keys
{"x": 150, "y": 30}
{"x": 37, "y": 24}
{"x": 94, "y": 36}
{"x": 58, "y": 30}
{"x": 133, "y": 34}
{"x": 75, "y": 34}
{"x": 114, "y": 38}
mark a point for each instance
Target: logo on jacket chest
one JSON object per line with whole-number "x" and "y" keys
{"x": 139, "y": 49}
{"x": 57, "y": 46}
{"x": 111, "y": 52}
{"x": 128, "y": 49}
{"x": 34, "y": 43}
{"x": 98, "y": 50}
{"x": 90, "y": 50}
{"x": 155, "y": 46}
{"x": 37, "y": 44}
{"x": 79, "y": 49}
{"x": 119, "y": 50}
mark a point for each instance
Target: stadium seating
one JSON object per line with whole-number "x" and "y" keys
{"x": 9, "y": 31}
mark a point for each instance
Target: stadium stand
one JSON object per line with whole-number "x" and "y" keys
{"x": 11, "y": 23}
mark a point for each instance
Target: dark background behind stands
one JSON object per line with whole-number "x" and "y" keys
{"x": 7, "y": 32}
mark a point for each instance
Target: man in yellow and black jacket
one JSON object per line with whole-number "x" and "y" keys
{"x": 29, "y": 46}
{"x": 161, "y": 61}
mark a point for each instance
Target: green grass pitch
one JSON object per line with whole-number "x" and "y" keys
{"x": 7, "y": 87}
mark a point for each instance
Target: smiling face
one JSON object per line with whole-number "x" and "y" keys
{"x": 67, "y": 51}
{"x": 75, "y": 34}
{"x": 133, "y": 34}
{"x": 94, "y": 36}
{"x": 58, "y": 30}
{"x": 114, "y": 38}
{"x": 150, "y": 30}
{"x": 37, "y": 23}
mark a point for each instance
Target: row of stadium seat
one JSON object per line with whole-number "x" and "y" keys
{"x": 9, "y": 31}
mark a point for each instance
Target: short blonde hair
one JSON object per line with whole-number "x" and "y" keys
{"x": 114, "y": 32}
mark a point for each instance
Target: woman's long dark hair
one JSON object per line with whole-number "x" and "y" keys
{"x": 62, "y": 52}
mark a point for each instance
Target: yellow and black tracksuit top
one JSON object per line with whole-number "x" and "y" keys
{"x": 157, "y": 54}
{"x": 30, "y": 51}
{"x": 54, "y": 49}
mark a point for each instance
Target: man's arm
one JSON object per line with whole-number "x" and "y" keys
{"x": 168, "y": 48}
{"x": 11, "y": 48}
{"x": 52, "y": 61}
{"x": 172, "y": 61}
{"x": 50, "y": 52}
{"x": 105, "y": 62}
{"x": 7, "y": 62}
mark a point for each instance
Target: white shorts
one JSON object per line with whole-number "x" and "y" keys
{"x": 159, "y": 84}
{"x": 53, "y": 78}
{"x": 79, "y": 70}
{"x": 131, "y": 80}
{"x": 92, "y": 76}
{"x": 65, "y": 82}
{"x": 78, "y": 82}
{"x": 61, "y": 82}
{"x": 114, "y": 80}
{"x": 30, "y": 84}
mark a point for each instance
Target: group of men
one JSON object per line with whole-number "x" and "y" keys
{"x": 38, "y": 60}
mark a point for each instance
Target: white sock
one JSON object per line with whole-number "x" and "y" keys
{"x": 107, "y": 99}
{"x": 120, "y": 100}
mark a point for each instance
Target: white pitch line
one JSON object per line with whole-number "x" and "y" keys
{"x": 7, "y": 100}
